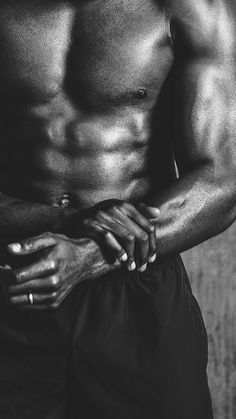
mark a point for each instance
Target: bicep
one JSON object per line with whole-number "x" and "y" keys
{"x": 203, "y": 114}
{"x": 204, "y": 92}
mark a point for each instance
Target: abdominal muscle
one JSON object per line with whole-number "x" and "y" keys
{"x": 78, "y": 162}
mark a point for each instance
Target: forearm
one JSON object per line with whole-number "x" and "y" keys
{"x": 196, "y": 207}
{"x": 199, "y": 205}
{"x": 22, "y": 219}
{"x": 95, "y": 264}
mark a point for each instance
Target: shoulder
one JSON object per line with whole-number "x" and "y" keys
{"x": 204, "y": 26}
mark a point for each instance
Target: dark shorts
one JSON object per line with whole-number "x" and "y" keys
{"x": 124, "y": 346}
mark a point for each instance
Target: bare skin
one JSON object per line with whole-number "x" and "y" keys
{"x": 94, "y": 100}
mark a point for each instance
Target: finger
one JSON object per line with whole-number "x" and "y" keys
{"x": 125, "y": 238}
{"x": 44, "y": 302}
{"x": 152, "y": 213}
{"x": 106, "y": 238}
{"x": 141, "y": 250}
{"x": 36, "y": 270}
{"x": 145, "y": 223}
{"x": 41, "y": 307}
{"x": 152, "y": 245}
{"x": 38, "y": 307}
{"x": 23, "y": 299}
{"x": 137, "y": 217}
{"x": 111, "y": 242}
{"x": 152, "y": 258}
{"x": 32, "y": 245}
{"x": 148, "y": 226}
{"x": 36, "y": 285}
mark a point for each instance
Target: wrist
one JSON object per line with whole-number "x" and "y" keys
{"x": 94, "y": 264}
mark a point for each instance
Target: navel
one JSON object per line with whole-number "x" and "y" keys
{"x": 141, "y": 92}
{"x": 65, "y": 200}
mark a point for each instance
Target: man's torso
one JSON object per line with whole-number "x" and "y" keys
{"x": 82, "y": 100}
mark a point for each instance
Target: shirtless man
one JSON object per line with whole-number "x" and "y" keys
{"x": 97, "y": 100}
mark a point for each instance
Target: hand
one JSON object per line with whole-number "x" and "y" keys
{"x": 46, "y": 283}
{"x": 123, "y": 230}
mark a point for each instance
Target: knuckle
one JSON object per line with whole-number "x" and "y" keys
{"x": 125, "y": 206}
{"x": 27, "y": 243}
{"x": 54, "y": 306}
{"x": 121, "y": 206}
{"x": 144, "y": 237}
{"x": 151, "y": 228}
{"x": 115, "y": 210}
{"x": 117, "y": 205}
{"x": 53, "y": 296}
{"x": 55, "y": 281}
{"x": 106, "y": 234}
{"x": 53, "y": 264}
{"x": 18, "y": 277}
{"x": 130, "y": 238}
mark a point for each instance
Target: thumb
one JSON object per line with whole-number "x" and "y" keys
{"x": 149, "y": 211}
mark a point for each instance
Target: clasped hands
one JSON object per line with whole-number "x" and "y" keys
{"x": 122, "y": 230}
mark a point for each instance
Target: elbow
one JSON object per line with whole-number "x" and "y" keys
{"x": 226, "y": 188}
{"x": 230, "y": 213}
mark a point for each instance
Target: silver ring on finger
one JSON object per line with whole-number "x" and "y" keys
{"x": 30, "y": 298}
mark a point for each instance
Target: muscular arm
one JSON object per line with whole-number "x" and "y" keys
{"x": 202, "y": 202}
{"x": 22, "y": 219}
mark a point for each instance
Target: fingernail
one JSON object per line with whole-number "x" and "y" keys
{"x": 132, "y": 266}
{"x": 124, "y": 257}
{"x": 143, "y": 268}
{"x": 152, "y": 258}
{"x": 15, "y": 247}
{"x": 155, "y": 211}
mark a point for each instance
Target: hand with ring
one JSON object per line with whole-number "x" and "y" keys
{"x": 44, "y": 284}
{"x": 8, "y": 281}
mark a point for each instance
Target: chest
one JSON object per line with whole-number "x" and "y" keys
{"x": 95, "y": 52}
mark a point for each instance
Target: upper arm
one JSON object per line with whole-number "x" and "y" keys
{"x": 204, "y": 79}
